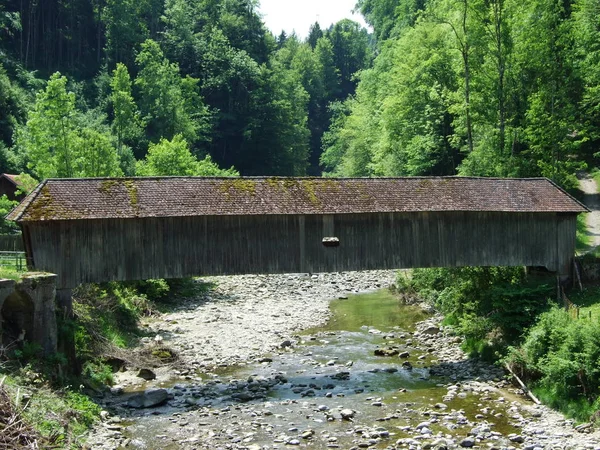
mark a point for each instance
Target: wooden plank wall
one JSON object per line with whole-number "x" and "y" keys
{"x": 132, "y": 249}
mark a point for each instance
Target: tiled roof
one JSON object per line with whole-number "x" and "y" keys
{"x": 11, "y": 178}
{"x": 97, "y": 198}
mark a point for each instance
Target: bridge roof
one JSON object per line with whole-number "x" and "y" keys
{"x": 106, "y": 198}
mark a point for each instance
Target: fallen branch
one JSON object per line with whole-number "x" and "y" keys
{"x": 522, "y": 385}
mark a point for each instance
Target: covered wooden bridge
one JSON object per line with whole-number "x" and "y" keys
{"x": 93, "y": 230}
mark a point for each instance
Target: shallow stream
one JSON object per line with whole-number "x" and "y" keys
{"x": 328, "y": 389}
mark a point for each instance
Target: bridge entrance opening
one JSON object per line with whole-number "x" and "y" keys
{"x": 16, "y": 320}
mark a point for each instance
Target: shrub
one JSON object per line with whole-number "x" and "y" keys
{"x": 490, "y": 306}
{"x": 561, "y": 356}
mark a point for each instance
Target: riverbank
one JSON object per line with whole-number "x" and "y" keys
{"x": 251, "y": 380}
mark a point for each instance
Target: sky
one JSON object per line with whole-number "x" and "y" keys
{"x": 299, "y": 15}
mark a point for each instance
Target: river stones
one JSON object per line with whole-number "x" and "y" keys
{"x": 146, "y": 374}
{"x": 149, "y": 398}
{"x": 467, "y": 442}
{"x": 347, "y": 414}
{"x": 386, "y": 351}
{"x": 244, "y": 333}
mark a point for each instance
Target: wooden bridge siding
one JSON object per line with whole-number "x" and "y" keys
{"x": 129, "y": 249}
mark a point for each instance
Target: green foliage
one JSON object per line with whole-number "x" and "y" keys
{"x": 55, "y": 146}
{"x": 12, "y": 107}
{"x": 398, "y": 124}
{"x": 49, "y": 138}
{"x": 169, "y": 158}
{"x": 6, "y": 206}
{"x": 97, "y": 373}
{"x": 126, "y": 124}
{"x": 490, "y": 306}
{"x": 561, "y": 354}
{"x": 467, "y": 88}
{"x": 584, "y": 237}
{"x": 170, "y": 104}
{"x": 28, "y": 352}
{"x": 62, "y": 415}
{"x": 124, "y": 29}
{"x": 107, "y": 315}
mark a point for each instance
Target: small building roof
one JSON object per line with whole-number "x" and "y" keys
{"x": 123, "y": 198}
{"x": 10, "y": 177}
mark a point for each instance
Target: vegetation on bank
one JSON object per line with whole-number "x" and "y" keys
{"x": 55, "y": 404}
{"x": 490, "y": 306}
{"x": 508, "y": 315}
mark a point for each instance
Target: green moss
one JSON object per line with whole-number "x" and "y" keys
{"x": 274, "y": 183}
{"x": 107, "y": 185}
{"x": 42, "y": 207}
{"x": 132, "y": 192}
{"x": 362, "y": 193}
{"x": 310, "y": 189}
{"x": 425, "y": 184}
{"x": 228, "y": 187}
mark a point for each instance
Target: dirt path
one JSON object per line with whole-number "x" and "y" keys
{"x": 591, "y": 199}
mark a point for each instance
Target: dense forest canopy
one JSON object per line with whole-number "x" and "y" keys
{"x": 201, "y": 87}
{"x": 102, "y": 87}
{"x": 473, "y": 87}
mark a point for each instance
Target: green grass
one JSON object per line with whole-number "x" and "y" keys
{"x": 62, "y": 416}
{"x": 579, "y": 409}
{"x": 588, "y": 301}
{"x": 583, "y": 243}
{"x": 9, "y": 273}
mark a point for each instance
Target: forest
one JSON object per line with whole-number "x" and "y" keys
{"x": 182, "y": 87}
{"x": 154, "y": 87}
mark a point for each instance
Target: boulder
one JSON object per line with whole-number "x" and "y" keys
{"x": 146, "y": 374}
{"x": 149, "y": 398}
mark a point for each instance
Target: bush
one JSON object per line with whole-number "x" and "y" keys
{"x": 97, "y": 373}
{"x": 561, "y": 356}
{"x": 490, "y": 306}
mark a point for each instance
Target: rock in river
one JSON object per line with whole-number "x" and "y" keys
{"x": 146, "y": 374}
{"x": 149, "y": 398}
{"x": 347, "y": 414}
{"x": 386, "y": 351}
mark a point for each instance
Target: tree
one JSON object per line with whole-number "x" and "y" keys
{"x": 399, "y": 121}
{"x": 170, "y": 105}
{"x": 49, "y": 138}
{"x": 126, "y": 121}
{"x": 314, "y": 34}
{"x": 389, "y": 18}
{"x": 586, "y": 35}
{"x": 12, "y": 107}
{"x": 351, "y": 52}
{"x": 277, "y": 132}
{"x": 124, "y": 30}
{"x": 170, "y": 158}
{"x": 551, "y": 118}
{"x": 330, "y": 73}
{"x": 96, "y": 155}
{"x": 53, "y": 143}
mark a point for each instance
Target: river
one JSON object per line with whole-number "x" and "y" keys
{"x": 377, "y": 374}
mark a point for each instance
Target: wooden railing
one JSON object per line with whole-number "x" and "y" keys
{"x": 13, "y": 260}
